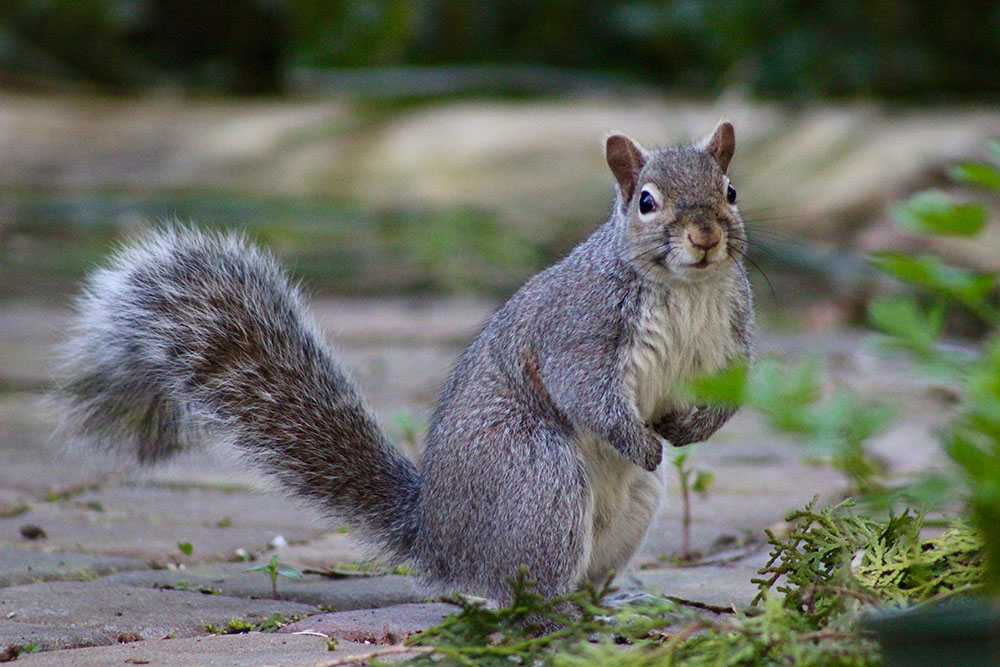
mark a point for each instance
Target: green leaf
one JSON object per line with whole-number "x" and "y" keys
{"x": 784, "y": 393}
{"x": 679, "y": 459}
{"x": 973, "y": 460}
{"x": 903, "y": 318}
{"x": 270, "y": 566}
{"x": 289, "y": 571}
{"x": 929, "y": 272}
{"x": 703, "y": 481}
{"x": 980, "y": 174}
{"x": 185, "y": 548}
{"x": 726, "y": 386}
{"x": 934, "y": 212}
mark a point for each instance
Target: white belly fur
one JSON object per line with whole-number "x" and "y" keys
{"x": 621, "y": 501}
{"x": 680, "y": 336}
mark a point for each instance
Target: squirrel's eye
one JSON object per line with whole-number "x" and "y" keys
{"x": 646, "y": 202}
{"x": 731, "y": 194}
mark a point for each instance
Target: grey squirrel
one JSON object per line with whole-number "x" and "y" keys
{"x": 542, "y": 449}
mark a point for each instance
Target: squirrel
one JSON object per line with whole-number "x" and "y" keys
{"x": 543, "y": 449}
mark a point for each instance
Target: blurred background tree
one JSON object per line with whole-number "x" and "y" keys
{"x": 898, "y": 49}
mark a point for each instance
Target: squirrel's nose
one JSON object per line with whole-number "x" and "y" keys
{"x": 705, "y": 240}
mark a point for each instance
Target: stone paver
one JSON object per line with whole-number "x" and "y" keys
{"x": 154, "y": 541}
{"x": 47, "y": 637}
{"x": 26, "y": 566}
{"x": 254, "y": 648}
{"x": 387, "y": 625}
{"x": 233, "y": 580}
{"x": 717, "y": 585}
{"x": 116, "y": 611}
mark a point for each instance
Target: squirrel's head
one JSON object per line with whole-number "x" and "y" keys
{"x": 679, "y": 208}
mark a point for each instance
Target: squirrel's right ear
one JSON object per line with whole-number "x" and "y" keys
{"x": 625, "y": 157}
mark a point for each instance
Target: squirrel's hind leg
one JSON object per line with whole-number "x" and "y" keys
{"x": 520, "y": 500}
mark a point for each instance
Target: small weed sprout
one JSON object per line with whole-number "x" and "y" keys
{"x": 691, "y": 479}
{"x": 274, "y": 569}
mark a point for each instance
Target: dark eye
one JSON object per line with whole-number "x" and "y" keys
{"x": 646, "y": 202}
{"x": 731, "y": 194}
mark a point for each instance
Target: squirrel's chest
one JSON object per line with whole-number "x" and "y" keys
{"x": 679, "y": 335}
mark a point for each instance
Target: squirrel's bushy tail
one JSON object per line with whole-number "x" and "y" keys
{"x": 189, "y": 334}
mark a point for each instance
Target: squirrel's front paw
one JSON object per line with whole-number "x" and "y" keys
{"x": 696, "y": 425}
{"x": 676, "y": 427}
{"x": 641, "y": 446}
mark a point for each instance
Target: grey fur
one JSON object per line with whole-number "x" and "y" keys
{"x": 541, "y": 448}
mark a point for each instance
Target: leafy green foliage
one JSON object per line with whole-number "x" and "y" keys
{"x": 910, "y": 326}
{"x": 973, "y": 442}
{"x": 836, "y": 425}
{"x": 833, "y": 558}
{"x": 973, "y": 439}
{"x": 929, "y": 272}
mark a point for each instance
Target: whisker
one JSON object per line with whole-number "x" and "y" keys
{"x": 643, "y": 255}
{"x": 773, "y": 218}
{"x": 765, "y": 249}
{"x": 768, "y": 238}
{"x": 746, "y": 212}
{"x": 754, "y": 264}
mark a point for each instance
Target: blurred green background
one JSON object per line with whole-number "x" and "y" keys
{"x": 788, "y": 49}
{"x": 440, "y": 147}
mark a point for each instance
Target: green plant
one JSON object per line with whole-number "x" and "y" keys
{"x": 274, "y": 569}
{"x": 691, "y": 479}
{"x": 835, "y": 557}
{"x": 915, "y": 323}
{"x": 834, "y": 426}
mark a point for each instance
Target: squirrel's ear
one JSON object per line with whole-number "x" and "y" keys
{"x": 720, "y": 144}
{"x": 625, "y": 157}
